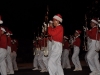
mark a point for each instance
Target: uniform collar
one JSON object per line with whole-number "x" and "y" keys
{"x": 94, "y": 26}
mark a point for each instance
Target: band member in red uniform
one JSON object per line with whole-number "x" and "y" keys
{"x": 54, "y": 62}
{"x": 75, "y": 56}
{"x": 8, "y": 60}
{"x": 36, "y": 54}
{"x": 47, "y": 48}
{"x": 65, "y": 54}
{"x": 42, "y": 44}
{"x": 14, "y": 47}
{"x": 3, "y": 52}
{"x": 92, "y": 55}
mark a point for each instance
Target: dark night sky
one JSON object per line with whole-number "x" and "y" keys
{"x": 23, "y": 17}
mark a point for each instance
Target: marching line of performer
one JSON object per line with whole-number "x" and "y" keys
{"x": 58, "y": 46}
{"x": 8, "y": 49}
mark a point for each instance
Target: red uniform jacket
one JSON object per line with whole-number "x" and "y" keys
{"x": 56, "y": 33}
{"x": 13, "y": 47}
{"x": 9, "y": 41}
{"x": 77, "y": 42}
{"x": 3, "y": 41}
{"x": 92, "y": 34}
{"x": 66, "y": 45}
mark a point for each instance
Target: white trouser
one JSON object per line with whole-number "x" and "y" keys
{"x": 13, "y": 56}
{"x": 54, "y": 62}
{"x": 35, "y": 61}
{"x": 65, "y": 59}
{"x": 9, "y": 60}
{"x": 40, "y": 60}
{"x": 93, "y": 56}
{"x": 3, "y": 53}
{"x": 88, "y": 44}
{"x": 45, "y": 59}
{"x": 49, "y": 45}
{"x": 75, "y": 57}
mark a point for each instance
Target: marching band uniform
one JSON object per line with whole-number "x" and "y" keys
{"x": 35, "y": 61}
{"x": 48, "y": 48}
{"x": 45, "y": 58}
{"x": 75, "y": 56}
{"x": 65, "y": 55}
{"x": 49, "y": 45}
{"x": 8, "y": 59}
{"x": 3, "y": 52}
{"x": 14, "y": 47}
{"x": 41, "y": 54}
{"x": 54, "y": 62}
{"x": 92, "y": 55}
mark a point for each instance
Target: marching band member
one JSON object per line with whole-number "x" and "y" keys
{"x": 92, "y": 55}
{"x": 8, "y": 59}
{"x": 3, "y": 51}
{"x": 36, "y": 55}
{"x": 14, "y": 47}
{"x": 65, "y": 54}
{"x": 75, "y": 56}
{"x": 48, "y": 42}
{"x": 41, "y": 54}
{"x": 54, "y": 62}
{"x": 45, "y": 56}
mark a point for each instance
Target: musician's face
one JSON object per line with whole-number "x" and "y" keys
{"x": 76, "y": 34}
{"x": 92, "y": 24}
{"x": 55, "y": 22}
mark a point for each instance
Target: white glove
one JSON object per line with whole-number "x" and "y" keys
{"x": 44, "y": 24}
{"x": 65, "y": 37}
{"x": 43, "y": 30}
{"x": 48, "y": 25}
{"x": 85, "y": 28}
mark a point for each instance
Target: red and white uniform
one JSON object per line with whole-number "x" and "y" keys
{"x": 46, "y": 53}
{"x": 14, "y": 47}
{"x": 54, "y": 62}
{"x": 36, "y": 55}
{"x": 3, "y": 53}
{"x": 75, "y": 56}
{"x": 43, "y": 44}
{"x": 56, "y": 33}
{"x": 92, "y": 55}
{"x": 8, "y": 59}
{"x": 65, "y": 56}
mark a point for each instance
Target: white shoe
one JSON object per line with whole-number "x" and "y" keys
{"x": 35, "y": 69}
{"x": 15, "y": 69}
{"x": 43, "y": 70}
{"x": 79, "y": 69}
{"x": 10, "y": 73}
{"x": 93, "y": 73}
{"x": 75, "y": 69}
